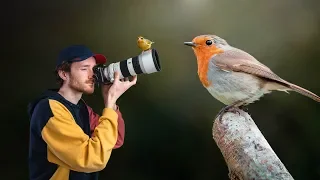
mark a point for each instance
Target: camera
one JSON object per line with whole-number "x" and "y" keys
{"x": 145, "y": 63}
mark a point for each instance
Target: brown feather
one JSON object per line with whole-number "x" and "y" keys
{"x": 304, "y": 92}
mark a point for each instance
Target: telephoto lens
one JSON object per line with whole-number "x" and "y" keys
{"x": 145, "y": 63}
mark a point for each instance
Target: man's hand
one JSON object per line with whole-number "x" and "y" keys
{"x": 112, "y": 92}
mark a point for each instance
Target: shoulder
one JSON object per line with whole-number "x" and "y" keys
{"x": 41, "y": 114}
{"x": 48, "y": 105}
{"x": 47, "y": 108}
{"x": 42, "y": 107}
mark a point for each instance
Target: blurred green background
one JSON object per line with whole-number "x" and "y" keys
{"x": 169, "y": 114}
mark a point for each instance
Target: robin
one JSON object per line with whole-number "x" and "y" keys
{"x": 233, "y": 76}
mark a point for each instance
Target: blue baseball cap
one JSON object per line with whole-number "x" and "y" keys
{"x": 76, "y": 53}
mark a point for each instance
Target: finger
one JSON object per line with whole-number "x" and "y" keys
{"x": 126, "y": 79}
{"x": 116, "y": 76}
{"x": 134, "y": 79}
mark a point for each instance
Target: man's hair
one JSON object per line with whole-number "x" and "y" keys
{"x": 66, "y": 67}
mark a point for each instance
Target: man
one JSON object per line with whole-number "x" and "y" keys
{"x": 68, "y": 140}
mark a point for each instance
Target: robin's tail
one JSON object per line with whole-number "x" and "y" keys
{"x": 304, "y": 92}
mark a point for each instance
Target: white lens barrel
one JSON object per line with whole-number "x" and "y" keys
{"x": 116, "y": 68}
{"x": 130, "y": 67}
{"x": 145, "y": 63}
{"x": 107, "y": 72}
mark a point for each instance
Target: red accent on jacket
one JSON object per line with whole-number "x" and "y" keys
{"x": 94, "y": 120}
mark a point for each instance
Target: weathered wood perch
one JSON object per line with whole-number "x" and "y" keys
{"x": 245, "y": 150}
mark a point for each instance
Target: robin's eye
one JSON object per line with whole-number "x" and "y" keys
{"x": 208, "y": 42}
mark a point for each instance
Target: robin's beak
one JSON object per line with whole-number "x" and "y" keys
{"x": 192, "y": 44}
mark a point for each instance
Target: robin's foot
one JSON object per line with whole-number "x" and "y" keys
{"x": 235, "y": 110}
{"x": 230, "y": 108}
{"x": 244, "y": 108}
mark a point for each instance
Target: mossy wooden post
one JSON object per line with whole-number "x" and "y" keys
{"x": 245, "y": 150}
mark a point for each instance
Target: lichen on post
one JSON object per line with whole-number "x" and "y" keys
{"x": 247, "y": 153}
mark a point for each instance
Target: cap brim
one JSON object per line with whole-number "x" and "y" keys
{"x": 100, "y": 59}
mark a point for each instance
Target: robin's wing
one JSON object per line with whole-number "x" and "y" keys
{"x": 240, "y": 61}
{"x": 148, "y": 41}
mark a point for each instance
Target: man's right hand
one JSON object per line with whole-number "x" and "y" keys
{"x": 112, "y": 92}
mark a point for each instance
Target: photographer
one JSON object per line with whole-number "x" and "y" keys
{"x": 67, "y": 139}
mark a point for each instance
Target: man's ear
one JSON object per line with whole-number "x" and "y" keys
{"x": 63, "y": 75}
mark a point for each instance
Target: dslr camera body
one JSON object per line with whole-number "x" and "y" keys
{"x": 145, "y": 63}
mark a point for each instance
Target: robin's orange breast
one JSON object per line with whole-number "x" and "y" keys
{"x": 203, "y": 59}
{"x": 203, "y": 73}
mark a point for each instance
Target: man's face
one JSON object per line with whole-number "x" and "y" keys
{"x": 81, "y": 76}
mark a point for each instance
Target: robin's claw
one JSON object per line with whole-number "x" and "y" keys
{"x": 234, "y": 110}
{"x": 222, "y": 111}
{"x": 244, "y": 108}
{"x": 230, "y": 108}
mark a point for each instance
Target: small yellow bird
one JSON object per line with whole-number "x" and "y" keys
{"x": 144, "y": 44}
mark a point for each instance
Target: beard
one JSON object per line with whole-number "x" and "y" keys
{"x": 86, "y": 87}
